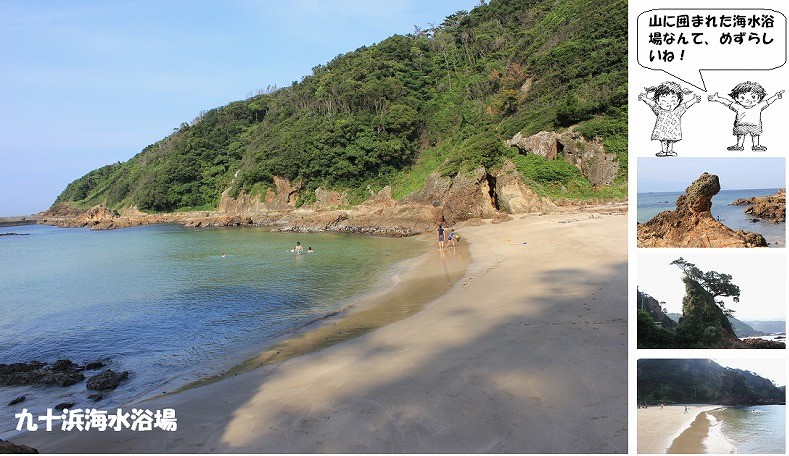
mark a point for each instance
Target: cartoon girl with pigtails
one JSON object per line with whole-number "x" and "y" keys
{"x": 666, "y": 103}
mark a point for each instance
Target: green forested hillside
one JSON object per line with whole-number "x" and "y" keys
{"x": 442, "y": 99}
{"x": 702, "y": 381}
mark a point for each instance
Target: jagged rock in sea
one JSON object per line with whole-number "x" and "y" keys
{"x": 18, "y": 400}
{"x": 64, "y": 405}
{"x": 691, "y": 224}
{"x": 109, "y": 379}
{"x": 771, "y": 207}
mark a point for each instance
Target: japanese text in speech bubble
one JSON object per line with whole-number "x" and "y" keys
{"x": 685, "y": 42}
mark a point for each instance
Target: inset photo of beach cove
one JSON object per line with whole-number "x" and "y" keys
{"x": 711, "y": 406}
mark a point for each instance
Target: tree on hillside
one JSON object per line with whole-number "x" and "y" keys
{"x": 717, "y": 284}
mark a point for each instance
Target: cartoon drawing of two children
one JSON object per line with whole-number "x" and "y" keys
{"x": 747, "y": 101}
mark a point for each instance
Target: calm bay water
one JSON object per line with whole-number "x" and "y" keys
{"x": 161, "y": 301}
{"x": 651, "y": 204}
{"x": 748, "y": 430}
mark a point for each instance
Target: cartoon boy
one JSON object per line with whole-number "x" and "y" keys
{"x": 748, "y": 102}
{"x": 667, "y": 105}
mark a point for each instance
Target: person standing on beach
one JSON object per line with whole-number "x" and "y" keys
{"x": 451, "y": 237}
{"x": 440, "y": 237}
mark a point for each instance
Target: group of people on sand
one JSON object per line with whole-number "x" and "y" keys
{"x": 450, "y": 238}
{"x": 298, "y": 249}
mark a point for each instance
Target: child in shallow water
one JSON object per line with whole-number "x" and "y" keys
{"x": 666, "y": 103}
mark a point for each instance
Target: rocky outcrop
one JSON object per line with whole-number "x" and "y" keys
{"x": 62, "y": 373}
{"x": 589, "y": 156}
{"x": 691, "y": 224}
{"x": 466, "y": 196}
{"x": 7, "y": 447}
{"x": 469, "y": 196}
{"x": 515, "y": 197}
{"x": 329, "y": 199}
{"x": 543, "y": 144}
{"x": 771, "y": 207}
{"x": 653, "y": 308}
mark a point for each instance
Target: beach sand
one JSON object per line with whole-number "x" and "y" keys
{"x": 659, "y": 429}
{"x": 526, "y": 353}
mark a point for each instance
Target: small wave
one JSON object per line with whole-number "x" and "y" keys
{"x": 715, "y": 442}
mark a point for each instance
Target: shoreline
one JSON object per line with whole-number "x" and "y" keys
{"x": 367, "y": 312}
{"x": 659, "y": 429}
{"x": 453, "y": 377}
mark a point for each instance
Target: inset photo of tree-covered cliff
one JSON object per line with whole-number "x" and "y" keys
{"x": 711, "y": 301}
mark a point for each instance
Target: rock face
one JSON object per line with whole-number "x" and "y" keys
{"x": 691, "y": 224}
{"x": 515, "y": 197}
{"x": 469, "y": 196}
{"x": 653, "y": 308}
{"x": 771, "y": 207}
{"x": 589, "y": 156}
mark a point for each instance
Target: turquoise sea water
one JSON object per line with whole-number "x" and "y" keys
{"x": 748, "y": 430}
{"x": 161, "y": 301}
{"x": 651, "y": 204}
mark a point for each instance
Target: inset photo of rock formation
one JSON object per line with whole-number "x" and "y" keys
{"x": 711, "y": 202}
{"x": 710, "y": 301}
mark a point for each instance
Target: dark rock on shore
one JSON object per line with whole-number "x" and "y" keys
{"x": 109, "y": 379}
{"x": 62, "y": 373}
{"x": 18, "y": 400}
{"x": 691, "y": 224}
{"x": 96, "y": 397}
{"x": 7, "y": 447}
{"x": 64, "y": 405}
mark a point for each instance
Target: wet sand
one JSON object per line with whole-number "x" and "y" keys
{"x": 671, "y": 430}
{"x": 526, "y": 353}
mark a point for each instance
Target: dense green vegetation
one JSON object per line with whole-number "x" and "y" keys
{"x": 442, "y": 99}
{"x": 702, "y": 381}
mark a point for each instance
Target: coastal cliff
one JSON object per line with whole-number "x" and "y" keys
{"x": 464, "y": 198}
{"x": 691, "y": 224}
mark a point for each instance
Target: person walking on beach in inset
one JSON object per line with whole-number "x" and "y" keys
{"x": 666, "y": 103}
{"x": 440, "y": 237}
{"x": 747, "y": 102}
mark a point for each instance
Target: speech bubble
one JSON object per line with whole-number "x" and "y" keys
{"x": 684, "y": 42}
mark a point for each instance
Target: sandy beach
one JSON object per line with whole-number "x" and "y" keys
{"x": 658, "y": 428}
{"x": 526, "y": 353}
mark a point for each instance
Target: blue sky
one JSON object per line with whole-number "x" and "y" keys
{"x": 676, "y": 174}
{"x": 88, "y": 83}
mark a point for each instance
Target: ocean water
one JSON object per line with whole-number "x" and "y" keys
{"x": 163, "y": 303}
{"x": 651, "y": 204}
{"x": 747, "y": 430}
